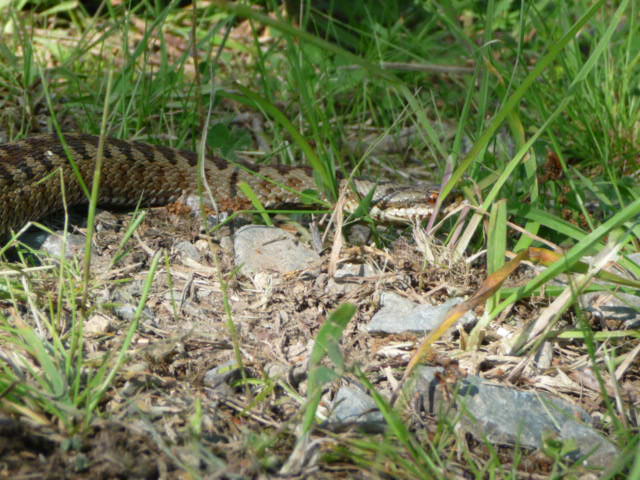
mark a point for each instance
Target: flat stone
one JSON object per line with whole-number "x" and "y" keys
{"x": 619, "y": 307}
{"x": 127, "y": 311}
{"x": 124, "y": 300}
{"x": 504, "y": 415}
{"x": 221, "y": 377}
{"x": 187, "y": 250}
{"x": 597, "y": 449}
{"x": 349, "y": 276}
{"x": 353, "y": 407}
{"x": 97, "y": 324}
{"x": 71, "y": 244}
{"x": 400, "y": 315}
{"x": 270, "y": 250}
{"x": 508, "y": 416}
{"x": 425, "y": 383}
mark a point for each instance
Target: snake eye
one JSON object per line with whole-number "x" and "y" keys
{"x": 433, "y": 197}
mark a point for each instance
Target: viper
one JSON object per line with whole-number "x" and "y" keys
{"x": 37, "y": 178}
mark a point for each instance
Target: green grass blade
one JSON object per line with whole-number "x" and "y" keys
{"x": 255, "y": 200}
{"x": 573, "y": 256}
{"x": 517, "y": 96}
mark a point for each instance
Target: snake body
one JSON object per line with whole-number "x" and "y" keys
{"x": 37, "y": 178}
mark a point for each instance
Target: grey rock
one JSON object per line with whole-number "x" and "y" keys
{"x": 125, "y": 300}
{"x": 348, "y": 277}
{"x": 71, "y": 244}
{"x": 506, "y": 416}
{"x": 270, "y": 250}
{"x": 97, "y": 324}
{"x": 220, "y": 378}
{"x": 613, "y": 306}
{"x": 608, "y": 306}
{"x": 349, "y": 271}
{"x": 127, "y": 312}
{"x": 353, "y": 407}
{"x": 425, "y": 383}
{"x": 593, "y": 448}
{"x": 187, "y": 250}
{"x": 399, "y": 315}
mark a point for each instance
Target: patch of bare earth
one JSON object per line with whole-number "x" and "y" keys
{"x": 163, "y": 417}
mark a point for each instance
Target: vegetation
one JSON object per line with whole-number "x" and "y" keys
{"x": 530, "y": 111}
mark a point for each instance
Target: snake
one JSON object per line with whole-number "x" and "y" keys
{"x": 43, "y": 173}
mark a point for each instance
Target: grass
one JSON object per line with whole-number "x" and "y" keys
{"x": 547, "y": 118}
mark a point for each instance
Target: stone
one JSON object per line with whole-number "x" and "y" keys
{"x": 619, "y": 307}
{"x": 504, "y": 415}
{"x": 400, "y": 315}
{"x": 72, "y": 244}
{"x": 187, "y": 250}
{"x": 353, "y": 407}
{"x": 221, "y": 377}
{"x": 349, "y": 276}
{"x": 270, "y": 250}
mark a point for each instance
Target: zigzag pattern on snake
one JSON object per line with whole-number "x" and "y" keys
{"x": 33, "y": 170}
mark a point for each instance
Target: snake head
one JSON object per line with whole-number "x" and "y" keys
{"x": 393, "y": 202}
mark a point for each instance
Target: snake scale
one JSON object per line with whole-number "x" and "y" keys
{"x": 34, "y": 170}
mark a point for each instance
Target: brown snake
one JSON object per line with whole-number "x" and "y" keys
{"x": 33, "y": 171}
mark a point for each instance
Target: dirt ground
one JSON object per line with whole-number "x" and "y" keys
{"x": 164, "y": 416}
